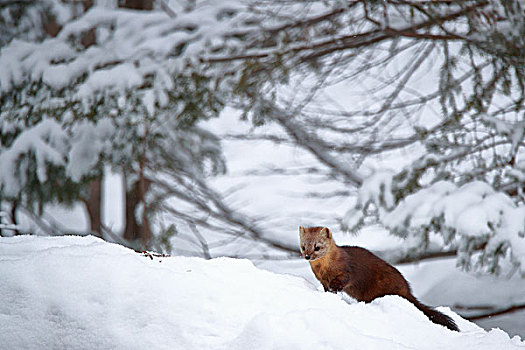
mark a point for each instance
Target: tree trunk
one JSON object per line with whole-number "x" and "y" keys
{"x": 14, "y": 207}
{"x": 137, "y": 193}
{"x": 137, "y": 4}
{"x": 131, "y": 231}
{"x": 50, "y": 25}
{"x": 93, "y": 206}
{"x": 135, "y": 196}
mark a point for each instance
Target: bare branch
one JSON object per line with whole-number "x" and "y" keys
{"x": 202, "y": 240}
{"x": 211, "y": 204}
{"x": 353, "y": 41}
{"x": 494, "y": 311}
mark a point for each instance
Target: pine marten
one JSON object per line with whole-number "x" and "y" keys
{"x": 358, "y": 272}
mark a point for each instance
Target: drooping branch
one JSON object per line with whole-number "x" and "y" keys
{"x": 313, "y": 144}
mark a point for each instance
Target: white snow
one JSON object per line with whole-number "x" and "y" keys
{"x": 78, "y": 293}
{"x": 120, "y": 78}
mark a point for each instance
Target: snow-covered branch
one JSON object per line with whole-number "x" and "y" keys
{"x": 466, "y": 216}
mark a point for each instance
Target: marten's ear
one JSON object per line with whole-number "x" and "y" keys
{"x": 326, "y": 231}
{"x": 301, "y": 229}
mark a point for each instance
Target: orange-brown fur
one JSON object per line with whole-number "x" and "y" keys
{"x": 358, "y": 272}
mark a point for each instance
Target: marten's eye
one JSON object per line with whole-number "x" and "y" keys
{"x": 316, "y": 248}
{"x": 303, "y": 247}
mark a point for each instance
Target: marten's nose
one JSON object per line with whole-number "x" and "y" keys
{"x": 307, "y": 257}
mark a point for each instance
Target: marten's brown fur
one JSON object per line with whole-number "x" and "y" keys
{"x": 358, "y": 272}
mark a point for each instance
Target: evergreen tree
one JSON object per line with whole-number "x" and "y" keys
{"x": 92, "y": 96}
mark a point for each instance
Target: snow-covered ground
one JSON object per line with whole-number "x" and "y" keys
{"x": 283, "y": 202}
{"x": 437, "y": 282}
{"x": 84, "y": 293}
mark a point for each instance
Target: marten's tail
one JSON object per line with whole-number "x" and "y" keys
{"x": 435, "y": 316}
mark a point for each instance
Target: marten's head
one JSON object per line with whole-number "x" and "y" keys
{"x": 315, "y": 241}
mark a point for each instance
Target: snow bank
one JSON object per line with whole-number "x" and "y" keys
{"x": 78, "y": 293}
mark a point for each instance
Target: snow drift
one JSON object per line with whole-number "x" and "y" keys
{"x": 78, "y": 293}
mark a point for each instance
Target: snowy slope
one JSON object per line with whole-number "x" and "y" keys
{"x": 78, "y": 293}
